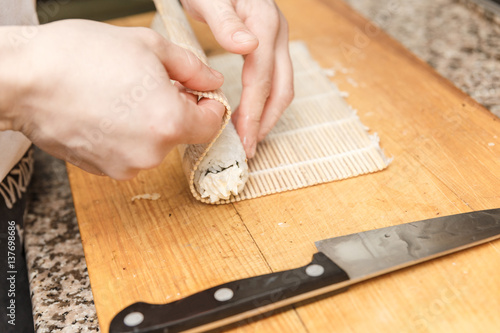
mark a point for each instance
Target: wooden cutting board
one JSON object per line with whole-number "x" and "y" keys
{"x": 446, "y": 151}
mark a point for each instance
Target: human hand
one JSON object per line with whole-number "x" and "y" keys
{"x": 100, "y": 96}
{"x": 258, "y": 30}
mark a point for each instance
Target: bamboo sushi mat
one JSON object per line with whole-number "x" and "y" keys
{"x": 318, "y": 139}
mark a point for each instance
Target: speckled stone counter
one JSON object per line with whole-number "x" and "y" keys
{"x": 60, "y": 288}
{"x": 460, "y": 41}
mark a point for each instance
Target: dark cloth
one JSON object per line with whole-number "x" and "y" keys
{"x": 16, "y": 314}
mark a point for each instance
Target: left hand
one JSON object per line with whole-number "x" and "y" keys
{"x": 258, "y": 30}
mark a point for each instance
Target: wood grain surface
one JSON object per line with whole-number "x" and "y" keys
{"x": 446, "y": 151}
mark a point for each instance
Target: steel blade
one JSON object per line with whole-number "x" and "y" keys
{"x": 375, "y": 252}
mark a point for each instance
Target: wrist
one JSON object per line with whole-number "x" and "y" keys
{"x": 13, "y": 83}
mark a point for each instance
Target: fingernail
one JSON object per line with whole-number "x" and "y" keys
{"x": 250, "y": 148}
{"x": 243, "y": 37}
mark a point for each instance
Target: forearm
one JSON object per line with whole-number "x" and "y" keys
{"x": 13, "y": 76}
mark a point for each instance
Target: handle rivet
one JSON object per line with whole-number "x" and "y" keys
{"x": 223, "y": 294}
{"x": 314, "y": 270}
{"x": 133, "y": 319}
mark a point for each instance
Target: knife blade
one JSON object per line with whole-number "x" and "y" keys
{"x": 340, "y": 262}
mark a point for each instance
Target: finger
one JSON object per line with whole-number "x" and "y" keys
{"x": 201, "y": 120}
{"x": 282, "y": 85}
{"x": 181, "y": 64}
{"x": 228, "y": 27}
{"x": 257, "y": 79}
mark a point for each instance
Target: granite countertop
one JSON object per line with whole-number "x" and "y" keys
{"x": 461, "y": 41}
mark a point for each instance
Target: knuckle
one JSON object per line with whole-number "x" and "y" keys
{"x": 145, "y": 161}
{"x": 176, "y": 133}
{"x": 154, "y": 161}
{"x": 124, "y": 175}
{"x": 165, "y": 125}
{"x": 170, "y": 132}
{"x": 121, "y": 171}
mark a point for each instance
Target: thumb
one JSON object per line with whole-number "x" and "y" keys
{"x": 184, "y": 66}
{"x": 227, "y": 26}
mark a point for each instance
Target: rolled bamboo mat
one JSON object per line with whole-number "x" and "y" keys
{"x": 318, "y": 139}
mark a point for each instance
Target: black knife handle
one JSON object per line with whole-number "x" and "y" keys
{"x": 232, "y": 301}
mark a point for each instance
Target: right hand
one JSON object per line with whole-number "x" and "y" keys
{"x": 101, "y": 98}
{"x": 258, "y": 30}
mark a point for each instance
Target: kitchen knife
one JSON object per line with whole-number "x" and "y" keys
{"x": 340, "y": 262}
